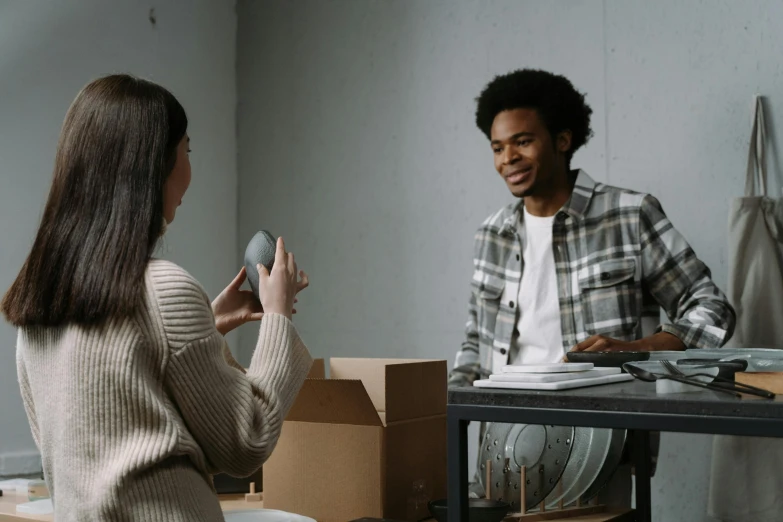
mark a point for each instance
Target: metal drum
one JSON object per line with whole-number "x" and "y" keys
{"x": 594, "y": 458}
{"x": 613, "y": 458}
{"x": 544, "y": 450}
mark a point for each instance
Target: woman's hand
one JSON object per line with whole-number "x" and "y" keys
{"x": 235, "y": 307}
{"x": 277, "y": 290}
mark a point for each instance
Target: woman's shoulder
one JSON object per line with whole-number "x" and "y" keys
{"x": 184, "y": 305}
{"x": 169, "y": 275}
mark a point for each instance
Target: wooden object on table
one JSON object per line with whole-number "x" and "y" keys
{"x": 253, "y": 496}
{"x": 523, "y": 490}
{"x": 543, "y": 500}
{"x": 772, "y": 381}
{"x": 237, "y": 502}
{"x": 591, "y": 513}
{"x": 560, "y": 493}
{"x": 38, "y": 490}
{"x": 488, "y": 482}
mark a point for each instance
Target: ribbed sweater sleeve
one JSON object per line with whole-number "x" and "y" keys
{"x": 27, "y": 394}
{"x": 235, "y": 417}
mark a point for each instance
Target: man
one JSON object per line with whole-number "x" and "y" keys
{"x": 574, "y": 265}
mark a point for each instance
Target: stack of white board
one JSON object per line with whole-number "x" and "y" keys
{"x": 557, "y": 376}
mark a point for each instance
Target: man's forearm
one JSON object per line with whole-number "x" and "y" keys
{"x": 661, "y": 341}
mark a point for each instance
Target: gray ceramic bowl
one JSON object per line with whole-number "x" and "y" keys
{"x": 260, "y": 249}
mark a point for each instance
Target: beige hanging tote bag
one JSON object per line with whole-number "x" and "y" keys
{"x": 746, "y": 483}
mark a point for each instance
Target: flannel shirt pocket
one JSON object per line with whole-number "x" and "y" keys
{"x": 491, "y": 288}
{"x": 609, "y": 297}
{"x": 489, "y": 291}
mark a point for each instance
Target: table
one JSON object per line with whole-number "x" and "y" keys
{"x": 9, "y": 501}
{"x": 633, "y": 405}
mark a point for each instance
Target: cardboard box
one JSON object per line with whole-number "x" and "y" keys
{"x": 368, "y": 442}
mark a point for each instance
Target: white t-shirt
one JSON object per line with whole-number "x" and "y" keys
{"x": 540, "y": 338}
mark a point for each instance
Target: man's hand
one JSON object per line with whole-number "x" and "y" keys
{"x": 600, "y": 343}
{"x": 657, "y": 342}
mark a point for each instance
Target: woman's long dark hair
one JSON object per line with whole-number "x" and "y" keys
{"x": 104, "y": 213}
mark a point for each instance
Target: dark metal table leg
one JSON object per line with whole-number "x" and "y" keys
{"x": 643, "y": 465}
{"x": 458, "y": 469}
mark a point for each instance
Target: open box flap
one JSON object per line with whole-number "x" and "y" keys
{"x": 334, "y": 401}
{"x": 415, "y": 390}
{"x": 400, "y": 388}
{"x": 317, "y": 370}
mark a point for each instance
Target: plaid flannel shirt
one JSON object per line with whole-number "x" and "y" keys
{"x": 618, "y": 260}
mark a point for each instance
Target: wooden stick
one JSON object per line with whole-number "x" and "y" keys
{"x": 578, "y": 501}
{"x": 253, "y": 496}
{"x": 543, "y": 499}
{"x": 488, "y": 471}
{"x": 560, "y": 494}
{"x": 503, "y": 491}
{"x": 595, "y": 500}
{"x": 523, "y": 489}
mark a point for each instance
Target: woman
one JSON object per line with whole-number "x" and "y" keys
{"x": 132, "y": 398}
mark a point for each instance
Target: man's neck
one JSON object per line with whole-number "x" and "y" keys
{"x": 552, "y": 198}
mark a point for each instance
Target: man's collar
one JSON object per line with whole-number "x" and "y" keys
{"x": 576, "y": 206}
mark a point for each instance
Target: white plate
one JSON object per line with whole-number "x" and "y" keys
{"x": 552, "y": 377}
{"x": 561, "y": 385}
{"x": 548, "y": 368}
{"x": 264, "y": 515}
{"x": 588, "y": 453}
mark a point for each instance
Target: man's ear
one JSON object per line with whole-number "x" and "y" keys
{"x": 563, "y": 141}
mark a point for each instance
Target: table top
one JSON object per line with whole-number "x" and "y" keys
{"x": 626, "y": 397}
{"x": 9, "y": 501}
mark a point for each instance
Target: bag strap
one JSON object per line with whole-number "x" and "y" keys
{"x": 757, "y": 160}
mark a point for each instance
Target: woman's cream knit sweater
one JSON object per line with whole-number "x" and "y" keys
{"x": 133, "y": 416}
